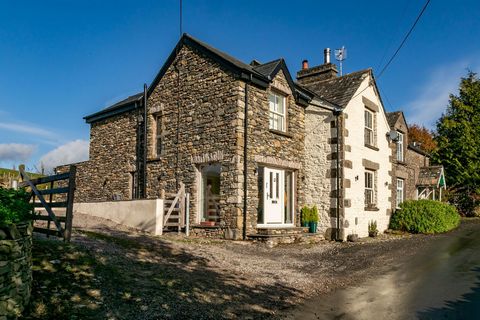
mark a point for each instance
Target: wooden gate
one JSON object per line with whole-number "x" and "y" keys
{"x": 175, "y": 209}
{"x": 60, "y": 189}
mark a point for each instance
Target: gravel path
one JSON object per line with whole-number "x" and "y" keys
{"x": 177, "y": 277}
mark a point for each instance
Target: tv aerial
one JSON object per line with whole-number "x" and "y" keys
{"x": 340, "y": 55}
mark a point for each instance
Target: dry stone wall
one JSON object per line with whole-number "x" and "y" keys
{"x": 197, "y": 103}
{"x": 15, "y": 269}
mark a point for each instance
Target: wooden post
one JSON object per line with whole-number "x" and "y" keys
{"x": 69, "y": 212}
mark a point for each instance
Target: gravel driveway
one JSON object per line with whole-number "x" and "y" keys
{"x": 132, "y": 275}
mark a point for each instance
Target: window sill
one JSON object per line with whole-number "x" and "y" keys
{"x": 154, "y": 159}
{"x": 371, "y": 209}
{"x": 281, "y": 133}
{"x": 403, "y": 163}
{"x": 371, "y": 147}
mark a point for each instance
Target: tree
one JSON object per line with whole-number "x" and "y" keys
{"x": 458, "y": 139}
{"x": 423, "y": 136}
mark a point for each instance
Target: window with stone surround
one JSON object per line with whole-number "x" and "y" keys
{"x": 277, "y": 112}
{"x": 370, "y": 189}
{"x": 158, "y": 135}
{"x": 400, "y": 147}
{"x": 369, "y": 128}
{"x": 400, "y": 191}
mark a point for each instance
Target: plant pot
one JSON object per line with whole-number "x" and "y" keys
{"x": 312, "y": 227}
{"x": 373, "y": 234}
{"x": 305, "y": 224}
{"x": 207, "y": 223}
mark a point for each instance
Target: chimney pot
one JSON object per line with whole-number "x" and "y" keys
{"x": 304, "y": 64}
{"x": 326, "y": 54}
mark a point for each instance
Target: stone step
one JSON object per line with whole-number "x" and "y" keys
{"x": 282, "y": 230}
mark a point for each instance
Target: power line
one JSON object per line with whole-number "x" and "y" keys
{"x": 404, "y": 39}
{"x": 398, "y": 49}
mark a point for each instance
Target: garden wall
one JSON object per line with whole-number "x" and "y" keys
{"x": 146, "y": 215}
{"x": 15, "y": 270}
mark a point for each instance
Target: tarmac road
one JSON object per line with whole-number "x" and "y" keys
{"x": 442, "y": 281}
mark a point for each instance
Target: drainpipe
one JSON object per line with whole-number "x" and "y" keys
{"x": 145, "y": 121}
{"x": 245, "y": 164}
{"x": 137, "y": 153}
{"x": 337, "y": 113}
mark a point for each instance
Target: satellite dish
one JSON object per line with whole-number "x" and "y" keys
{"x": 393, "y": 135}
{"x": 340, "y": 55}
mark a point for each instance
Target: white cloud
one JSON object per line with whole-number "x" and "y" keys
{"x": 433, "y": 96}
{"x": 26, "y": 128}
{"x": 16, "y": 152}
{"x": 70, "y": 152}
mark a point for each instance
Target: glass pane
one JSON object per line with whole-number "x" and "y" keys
{"x": 271, "y": 186}
{"x": 280, "y": 105}
{"x": 271, "y": 101}
{"x": 277, "y": 180}
{"x": 288, "y": 197}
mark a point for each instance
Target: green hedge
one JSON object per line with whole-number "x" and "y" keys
{"x": 425, "y": 216}
{"x": 14, "y": 206}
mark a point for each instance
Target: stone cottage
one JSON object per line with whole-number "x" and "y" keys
{"x": 198, "y": 108}
{"x": 412, "y": 177}
{"x": 357, "y": 158}
{"x": 250, "y": 145}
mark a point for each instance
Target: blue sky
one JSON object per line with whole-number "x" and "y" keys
{"x": 62, "y": 60}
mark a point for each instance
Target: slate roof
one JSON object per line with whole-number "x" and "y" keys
{"x": 392, "y": 117}
{"x": 339, "y": 90}
{"x": 430, "y": 176}
{"x": 117, "y": 108}
{"x": 418, "y": 150}
{"x": 267, "y": 69}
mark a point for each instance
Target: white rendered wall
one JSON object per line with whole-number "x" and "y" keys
{"x": 146, "y": 215}
{"x": 356, "y": 217}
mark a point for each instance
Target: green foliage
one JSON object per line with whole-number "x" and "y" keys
{"x": 314, "y": 214}
{"x": 309, "y": 214}
{"x": 372, "y": 227}
{"x": 458, "y": 140}
{"x": 425, "y": 216}
{"x": 14, "y": 206}
{"x": 305, "y": 214}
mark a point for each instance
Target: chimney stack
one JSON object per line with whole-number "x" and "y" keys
{"x": 304, "y": 64}
{"x": 326, "y": 55}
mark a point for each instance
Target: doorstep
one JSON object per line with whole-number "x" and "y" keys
{"x": 294, "y": 235}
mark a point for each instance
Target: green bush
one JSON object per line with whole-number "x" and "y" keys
{"x": 314, "y": 214}
{"x": 306, "y": 213}
{"x": 425, "y": 216}
{"x": 14, "y": 206}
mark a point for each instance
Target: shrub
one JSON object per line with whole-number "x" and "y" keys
{"x": 14, "y": 206}
{"x": 372, "y": 228}
{"x": 425, "y": 216}
{"x": 305, "y": 214}
{"x": 314, "y": 214}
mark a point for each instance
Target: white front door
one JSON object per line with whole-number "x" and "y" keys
{"x": 274, "y": 193}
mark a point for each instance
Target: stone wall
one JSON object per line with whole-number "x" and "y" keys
{"x": 15, "y": 269}
{"x": 270, "y": 148}
{"x": 408, "y": 169}
{"x": 197, "y": 102}
{"x": 319, "y": 161}
{"x": 108, "y": 172}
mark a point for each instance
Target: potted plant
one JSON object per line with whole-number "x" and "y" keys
{"x": 305, "y": 216}
{"x": 372, "y": 229}
{"x": 313, "y": 220}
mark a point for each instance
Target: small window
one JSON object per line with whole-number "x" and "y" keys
{"x": 369, "y": 188}
{"x": 369, "y": 128}
{"x": 277, "y": 112}
{"x": 400, "y": 147}
{"x": 158, "y": 135}
{"x": 400, "y": 191}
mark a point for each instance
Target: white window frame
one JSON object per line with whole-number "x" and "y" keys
{"x": 400, "y": 191}
{"x": 400, "y": 153}
{"x": 369, "y": 189}
{"x": 274, "y": 113}
{"x": 369, "y": 127}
